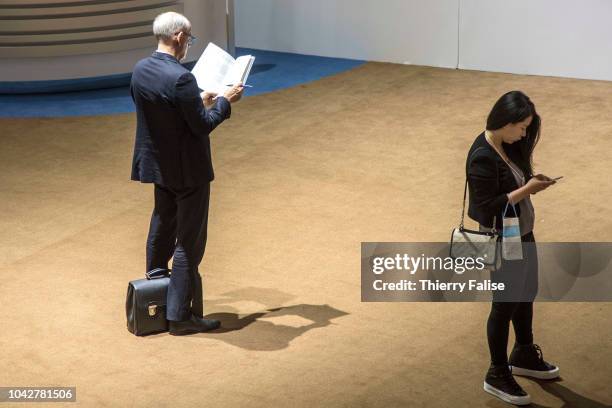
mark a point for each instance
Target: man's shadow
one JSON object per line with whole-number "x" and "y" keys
{"x": 252, "y": 333}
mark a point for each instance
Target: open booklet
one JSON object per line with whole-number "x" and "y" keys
{"x": 216, "y": 70}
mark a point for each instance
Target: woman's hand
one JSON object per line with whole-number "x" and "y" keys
{"x": 538, "y": 183}
{"x": 535, "y": 184}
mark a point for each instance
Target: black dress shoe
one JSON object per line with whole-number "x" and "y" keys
{"x": 192, "y": 325}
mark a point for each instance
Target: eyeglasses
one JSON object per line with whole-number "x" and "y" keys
{"x": 191, "y": 39}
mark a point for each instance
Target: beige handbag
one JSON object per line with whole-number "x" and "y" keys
{"x": 467, "y": 243}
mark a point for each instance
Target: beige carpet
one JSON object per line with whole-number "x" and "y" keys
{"x": 303, "y": 176}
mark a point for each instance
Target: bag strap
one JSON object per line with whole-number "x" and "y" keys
{"x": 513, "y": 206}
{"x": 512, "y": 168}
{"x": 493, "y": 230}
{"x": 463, "y": 209}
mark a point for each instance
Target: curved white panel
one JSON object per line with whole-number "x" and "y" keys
{"x": 40, "y": 10}
{"x": 79, "y": 29}
{"x": 69, "y": 39}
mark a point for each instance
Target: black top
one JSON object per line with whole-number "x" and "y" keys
{"x": 489, "y": 181}
{"x": 172, "y": 145}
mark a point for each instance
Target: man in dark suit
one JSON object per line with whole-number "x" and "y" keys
{"x": 172, "y": 150}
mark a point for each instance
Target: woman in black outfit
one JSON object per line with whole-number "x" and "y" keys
{"x": 500, "y": 171}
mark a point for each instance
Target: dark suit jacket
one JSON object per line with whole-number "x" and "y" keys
{"x": 489, "y": 181}
{"x": 172, "y": 145}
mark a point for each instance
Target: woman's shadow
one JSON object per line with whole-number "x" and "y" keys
{"x": 251, "y": 332}
{"x": 569, "y": 398}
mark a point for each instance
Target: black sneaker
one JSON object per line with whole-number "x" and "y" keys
{"x": 528, "y": 360}
{"x": 500, "y": 382}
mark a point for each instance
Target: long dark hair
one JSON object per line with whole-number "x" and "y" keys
{"x": 515, "y": 107}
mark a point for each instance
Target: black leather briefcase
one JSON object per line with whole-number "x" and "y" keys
{"x": 145, "y": 304}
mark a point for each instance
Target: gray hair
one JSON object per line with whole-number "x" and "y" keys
{"x": 168, "y": 24}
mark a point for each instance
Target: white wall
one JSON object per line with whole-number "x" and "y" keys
{"x": 209, "y": 24}
{"x": 568, "y": 38}
{"x": 422, "y": 32}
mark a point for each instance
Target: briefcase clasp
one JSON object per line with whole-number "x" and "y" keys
{"x": 152, "y": 310}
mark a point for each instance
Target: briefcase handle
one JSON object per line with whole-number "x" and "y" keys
{"x": 158, "y": 273}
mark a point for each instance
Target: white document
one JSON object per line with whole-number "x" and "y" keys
{"x": 216, "y": 70}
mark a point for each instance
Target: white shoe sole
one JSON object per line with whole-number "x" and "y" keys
{"x": 540, "y": 375}
{"x": 511, "y": 399}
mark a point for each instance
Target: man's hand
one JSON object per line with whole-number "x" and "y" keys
{"x": 208, "y": 99}
{"x": 234, "y": 93}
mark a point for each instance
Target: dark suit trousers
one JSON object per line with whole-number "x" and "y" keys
{"x": 178, "y": 228}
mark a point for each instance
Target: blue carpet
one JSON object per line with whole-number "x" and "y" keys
{"x": 272, "y": 71}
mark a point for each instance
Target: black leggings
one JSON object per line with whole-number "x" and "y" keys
{"x": 498, "y": 327}
{"x": 524, "y": 280}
